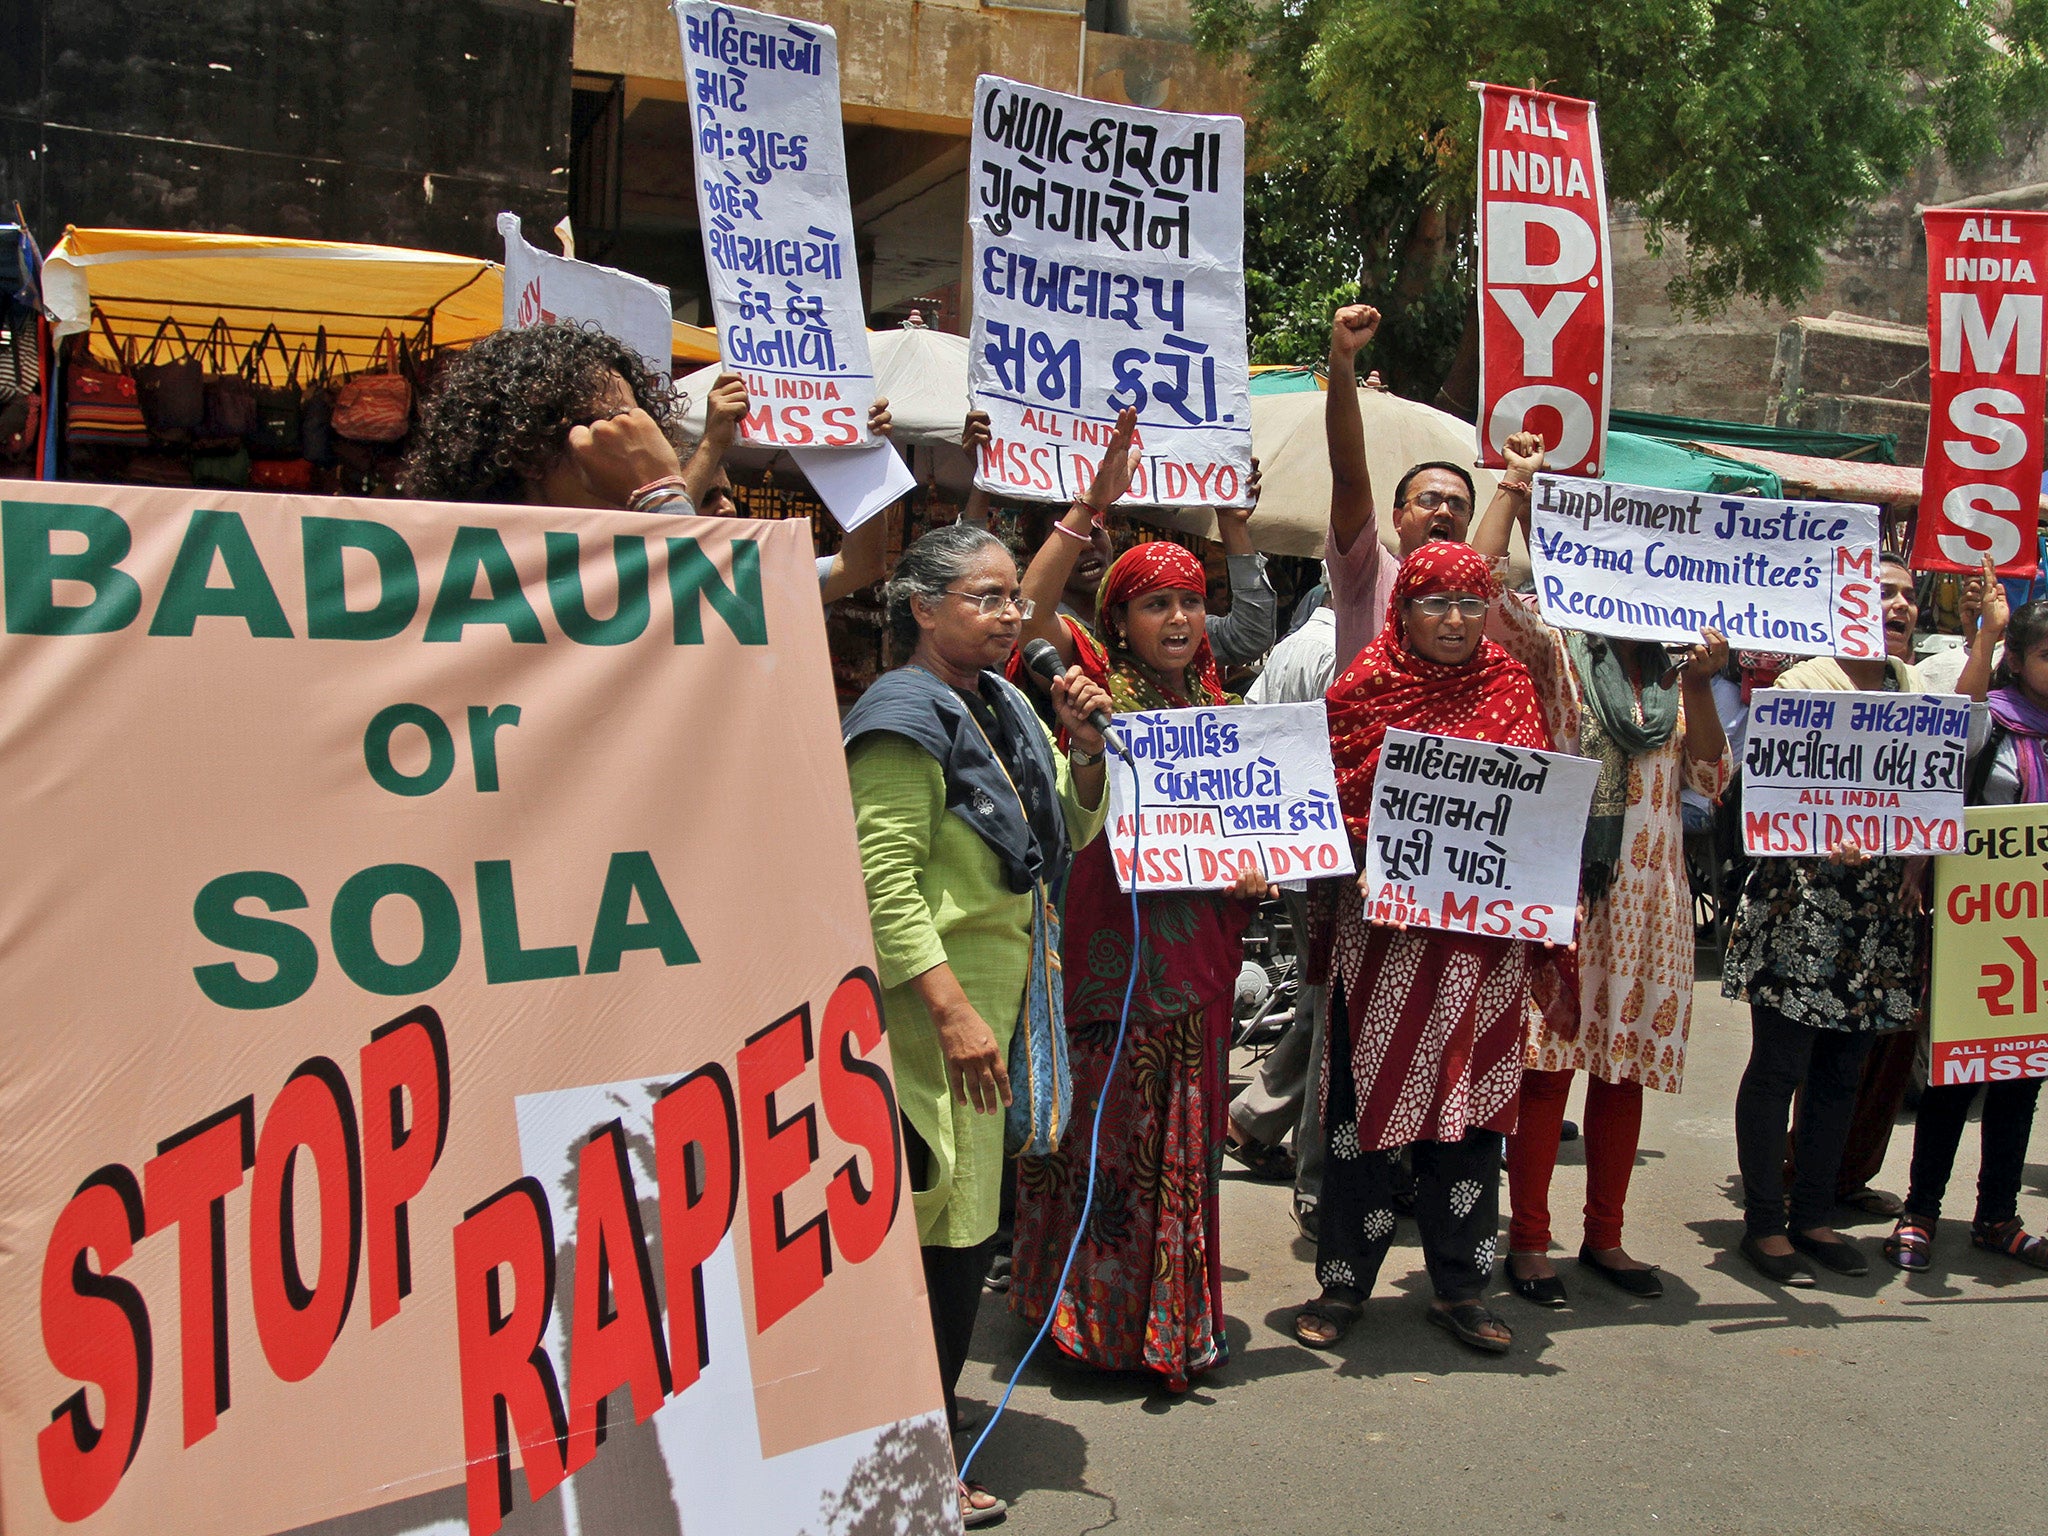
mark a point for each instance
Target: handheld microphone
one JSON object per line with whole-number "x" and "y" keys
{"x": 1044, "y": 661}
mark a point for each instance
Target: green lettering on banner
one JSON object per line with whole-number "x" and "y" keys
{"x": 356, "y": 947}
{"x": 484, "y": 725}
{"x": 692, "y": 575}
{"x": 248, "y": 596}
{"x": 440, "y": 750}
{"x": 505, "y": 958}
{"x": 214, "y": 912}
{"x": 565, "y": 590}
{"x": 34, "y": 569}
{"x": 614, "y": 933}
{"x": 480, "y": 551}
{"x": 328, "y": 615}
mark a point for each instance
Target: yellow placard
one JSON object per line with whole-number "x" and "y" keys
{"x": 1990, "y": 993}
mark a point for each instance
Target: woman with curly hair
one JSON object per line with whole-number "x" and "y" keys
{"x": 1146, "y": 1290}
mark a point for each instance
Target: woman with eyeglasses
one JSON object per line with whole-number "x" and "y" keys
{"x": 1423, "y": 1049}
{"x": 1146, "y": 1289}
{"x": 967, "y": 819}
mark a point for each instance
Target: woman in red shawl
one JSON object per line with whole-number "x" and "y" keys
{"x": 1146, "y": 1289}
{"x": 1424, "y": 1047}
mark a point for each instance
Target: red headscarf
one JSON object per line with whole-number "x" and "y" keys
{"x": 1489, "y": 698}
{"x": 1155, "y": 566}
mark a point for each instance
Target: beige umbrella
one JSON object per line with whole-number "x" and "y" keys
{"x": 1294, "y": 460}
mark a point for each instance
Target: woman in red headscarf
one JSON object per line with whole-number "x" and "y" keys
{"x": 1424, "y": 1046}
{"x": 1146, "y": 1288}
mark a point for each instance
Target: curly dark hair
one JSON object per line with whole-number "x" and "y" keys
{"x": 502, "y": 410}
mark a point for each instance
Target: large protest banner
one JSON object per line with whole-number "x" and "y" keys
{"x": 541, "y": 288}
{"x": 443, "y": 1031}
{"x": 1108, "y": 272}
{"x": 1546, "y": 308}
{"x": 1986, "y": 276}
{"x": 1220, "y": 791}
{"x": 1882, "y": 770}
{"x": 778, "y": 227}
{"x": 1477, "y": 838}
{"x": 1989, "y": 1003}
{"x": 1647, "y": 564}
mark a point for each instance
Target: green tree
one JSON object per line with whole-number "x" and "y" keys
{"x": 1755, "y": 129}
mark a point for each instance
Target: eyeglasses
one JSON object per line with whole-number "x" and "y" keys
{"x": 1429, "y": 501}
{"x": 993, "y": 603}
{"x": 1439, "y": 604}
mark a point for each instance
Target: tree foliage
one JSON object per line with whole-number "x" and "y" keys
{"x": 1755, "y": 129}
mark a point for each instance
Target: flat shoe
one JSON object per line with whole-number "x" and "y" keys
{"x": 1645, "y": 1284}
{"x": 1844, "y": 1258}
{"x": 1875, "y": 1202}
{"x": 1785, "y": 1268}
{"x": 1538, "y": 1290}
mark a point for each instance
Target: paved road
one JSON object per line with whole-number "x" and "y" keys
{"x": 1867, "y": 1406}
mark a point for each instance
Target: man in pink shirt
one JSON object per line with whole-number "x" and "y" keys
{"x": 1431, "y": 501}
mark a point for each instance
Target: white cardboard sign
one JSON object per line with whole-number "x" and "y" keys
{"x": 541, "y": 288}
{"x": 1245, "y": 786}
{"x": 1883, "y": 770}
{"x": 1474, "y": 837}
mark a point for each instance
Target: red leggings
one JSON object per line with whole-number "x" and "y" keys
{"x": 1614, "y": 1124}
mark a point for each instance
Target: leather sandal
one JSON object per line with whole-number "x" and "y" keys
{"x": 2010, "y": 1238}
{"x": 1911, "y": 1245}
{"x": 1340, "y": 1315}
{"x": 1465, "y": 1320}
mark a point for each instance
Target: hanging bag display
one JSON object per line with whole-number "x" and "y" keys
{"x": 375, "y": 407}
{"x": 275, "y": 434}
{"x": 100, "y": 410}
{"x": 21, "y": 393}
{"x": 230, "y": 397}
{"x": 171, "y": 393}
{"x": 316, "y": 407}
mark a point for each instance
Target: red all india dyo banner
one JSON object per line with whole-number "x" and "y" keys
{"x": 1980, "y": 491}
{"x": 1546, "y": 305}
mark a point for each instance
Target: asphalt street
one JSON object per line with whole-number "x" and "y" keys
{"x": 1872, "y": 1406}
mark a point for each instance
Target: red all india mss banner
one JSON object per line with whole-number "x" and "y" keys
{"x": 1986, "y": 275}
{"x": 1546, "y": 309}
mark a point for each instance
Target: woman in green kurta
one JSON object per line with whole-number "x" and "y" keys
{"x": 965, "y": 812}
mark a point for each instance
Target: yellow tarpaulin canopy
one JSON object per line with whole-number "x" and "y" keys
{"x": 137, "y": 277}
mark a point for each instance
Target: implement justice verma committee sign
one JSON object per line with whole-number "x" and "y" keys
{"x": 1221, "y": 791}
{"x": 406, "y": 1111}
{"x": 1473, "y": 837}
{"x": 1646, "y": 564}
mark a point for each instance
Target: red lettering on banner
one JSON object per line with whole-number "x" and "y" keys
{"x": 509, "y": 1391}
{"x": 697, "y": 1205}
{"x": 860, "y": 1106}
{"x": 298, "y": 1323}
{"x": 789, "y": 1266}
{"x": 405, "y": 1127}
{"x": 1546, "y": 308}
{"x": 1982, "y": 481}
{"x": 96, "y": 1330}
{"x": 613, "y": 1276}
{"x": 186, "y": 1185}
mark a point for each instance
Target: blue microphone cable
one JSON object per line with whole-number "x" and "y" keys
{"x": 1123, "y": 1023}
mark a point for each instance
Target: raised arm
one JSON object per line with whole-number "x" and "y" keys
{"x": 1993, "y": 610}
{"x": 1246, "y": 632}
{"x": 974, "y": 436}
{"x": 1046, "y": 577}
{"x": 1351, "y": 509}
{"x": 724, "y": 408}
{"x": 1510, "y": 503}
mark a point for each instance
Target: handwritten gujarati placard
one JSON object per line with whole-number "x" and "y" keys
{"x": 1647, "y": 564}
{"x": 778, "y": 226}
{"x": 1882, "y": 770}
{"x": 1108, "y": 272}
{"x": 1478, "y": 838}
{"x": 1247, "y": 786}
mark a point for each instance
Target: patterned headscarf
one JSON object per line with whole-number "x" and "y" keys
{"x": 1489, "y": 698}
{"x": 1155, "y": 566}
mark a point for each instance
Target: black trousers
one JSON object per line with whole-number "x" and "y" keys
{"x": 1457, "y": 1193}
{"x": 1783, "y": 1058}
{"x": 953, "y": 1280}
{"x": 2008, "y": 1123}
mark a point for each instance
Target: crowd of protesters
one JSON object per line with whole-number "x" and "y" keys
{"x": 1420, "y": 1064}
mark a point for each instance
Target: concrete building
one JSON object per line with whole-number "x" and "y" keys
{"x": 907, "y": 72}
